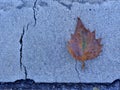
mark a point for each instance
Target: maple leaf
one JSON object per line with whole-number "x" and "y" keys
{"x": 83, "y": 45}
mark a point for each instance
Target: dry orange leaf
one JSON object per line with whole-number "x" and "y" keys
{"x": 83, "y": 45}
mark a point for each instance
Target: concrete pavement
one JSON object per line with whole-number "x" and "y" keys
{"x": 34, "y": 35}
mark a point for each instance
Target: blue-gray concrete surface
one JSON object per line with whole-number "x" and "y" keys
{"x": 47, "y": 26}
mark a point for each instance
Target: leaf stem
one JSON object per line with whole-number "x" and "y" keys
{"x": 83, "y": 65}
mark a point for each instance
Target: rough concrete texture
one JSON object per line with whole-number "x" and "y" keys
{"x": 44, "y": 27}
{"x": 12, "y": 21}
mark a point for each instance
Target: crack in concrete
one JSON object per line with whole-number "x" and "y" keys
{"x": 68, "y": 6}
{"x": 21, "y": 48}
{"x": 42, "y": 3}
{"x": 34, "y": 12}
{"x": 76, "y": 69}
{"x": 21, "y": 52}
{"x": 25, "y": 28}
{"x": 25, "y": 71}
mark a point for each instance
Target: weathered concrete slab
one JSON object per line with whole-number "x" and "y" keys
{"x": 43, "y": 28}
{"x": 12, "y": 21}
{"x": 45, "y": 53}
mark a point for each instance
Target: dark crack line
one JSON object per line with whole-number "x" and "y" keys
{"x": 65, "y": 5}
{"x": 68, "y": 6}
{"x": 76, "y": 69}
{"x": 25, "y": 71}
{"x": 34, "y": 12}
{"x": 21, "y": 50}
{"x": 81, "y": 2}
